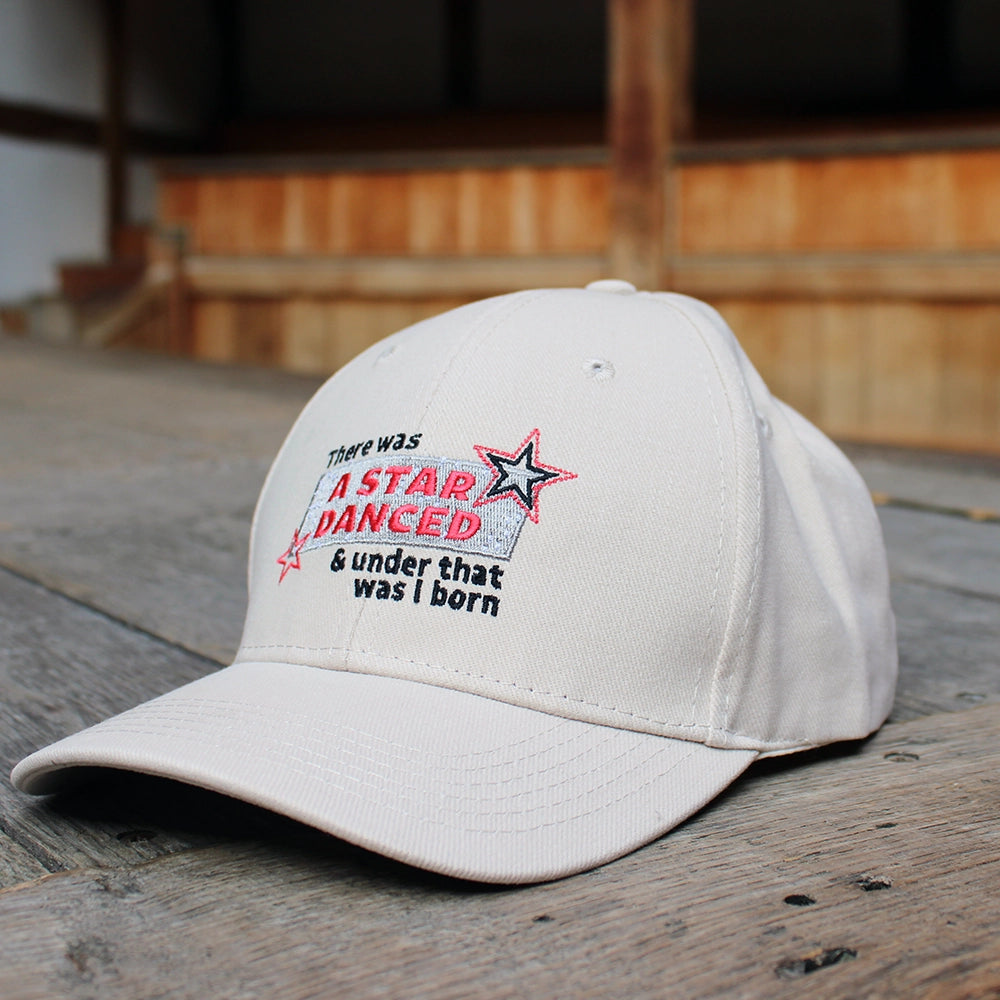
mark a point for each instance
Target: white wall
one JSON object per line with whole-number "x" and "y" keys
{"x": 52, "y": 195}
{"x": 50, "y": 209}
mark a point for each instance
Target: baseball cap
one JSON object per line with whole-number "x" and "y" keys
{"x": 531, "y": 582}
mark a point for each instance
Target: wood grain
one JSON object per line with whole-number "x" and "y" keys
{"x": 419, "y": 212}
{"x": 56, "y": 680}
{"x": 641, "y": 44}
{"x": 864, "y": 286}
{"x": 915, "y": 276}
{"x": 889, "y": 371}
{"x": 927, "y": 201}
{"x": 141, "y": 501}
{"x": 902, "y": 902}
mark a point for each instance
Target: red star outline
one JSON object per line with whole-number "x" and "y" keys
{"x": 526, "y": 454}
{"x": 289, "y": 559}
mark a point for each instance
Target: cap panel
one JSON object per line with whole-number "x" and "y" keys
{"x": 814, "y": 658}
{"x": 825, "y": 632}
{"x": 820, "y": 628}
{"x": 365, "y": 413}
{"x": 611, "y": 604}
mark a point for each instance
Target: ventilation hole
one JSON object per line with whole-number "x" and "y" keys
{"x": 765, "y": 426}
{"x": 387, "y": 353}
{"x": 599, "y": 369}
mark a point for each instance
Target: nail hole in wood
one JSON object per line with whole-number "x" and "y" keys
{"x": 797, "y": 967}
{"x": 872, "y": 883}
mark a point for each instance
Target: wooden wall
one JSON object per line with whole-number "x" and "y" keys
{"x": 865, "y": 288}
{"x": 914, "y": 201}
{"x": 517, "y": 210}
{"x": 912, "y": 373}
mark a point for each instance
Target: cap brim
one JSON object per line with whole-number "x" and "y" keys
{"x": 451, "y": 782}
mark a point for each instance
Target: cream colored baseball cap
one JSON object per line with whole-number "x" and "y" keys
{"x": 530, "y": 583}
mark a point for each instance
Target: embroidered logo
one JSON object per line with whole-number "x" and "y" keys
{"x": 289, "y": 559}
{"x": 468, "y": 507}
{"x": 519, "y": 476}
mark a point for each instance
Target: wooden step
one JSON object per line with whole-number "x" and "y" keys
{"x": 84, "y": 281}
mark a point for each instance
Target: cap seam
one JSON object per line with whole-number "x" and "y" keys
{"x": 305, "y": 768}
{"x": 477, "y": 331}
{"x": 794, "y": 741}
{"x": 704, "y": 371}
{"x": 483, "y": 327}
{"x": 360, "y": 757}
{"x": 388, "y": 747}
{"x": 722, "y": 677}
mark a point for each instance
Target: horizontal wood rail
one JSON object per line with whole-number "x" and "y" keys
{"x": 32, "y": 121}
{"x": 386, "y": 277}
{"x": 941, "y": 277}
{"x": 954, "y": 277}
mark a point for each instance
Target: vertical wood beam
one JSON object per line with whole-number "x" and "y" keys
{"x": 682, "y": 68}
{"x": 649, "y": 100}
{"x": 113, "y": 123}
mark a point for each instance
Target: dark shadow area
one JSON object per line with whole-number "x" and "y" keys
{"x": 140, "y": 807}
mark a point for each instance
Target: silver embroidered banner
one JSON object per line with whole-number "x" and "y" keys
{"x": 418, "y": 500}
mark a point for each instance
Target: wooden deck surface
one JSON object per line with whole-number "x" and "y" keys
{"x": 126, "y": 487}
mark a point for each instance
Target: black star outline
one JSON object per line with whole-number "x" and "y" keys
{"x": 522, "y": 488}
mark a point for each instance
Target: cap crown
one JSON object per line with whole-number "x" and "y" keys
{"x": 655, "y": 543}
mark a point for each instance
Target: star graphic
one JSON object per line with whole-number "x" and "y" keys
{"x": 289, "y": 559}
{"x": 519, "y": 475}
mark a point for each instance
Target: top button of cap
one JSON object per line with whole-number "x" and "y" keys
{"x": 613, "y": 285}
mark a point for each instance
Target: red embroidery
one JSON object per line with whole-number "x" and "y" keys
{"x": 519, "y": 475}
{"x": 289, "y": 559}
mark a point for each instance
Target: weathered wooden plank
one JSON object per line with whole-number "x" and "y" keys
{"x": 947, "y": 553}
{"x": 17, "y": 864}
{"x": 131, "y": 483}
{"x": 937, "y": 480}
{"x": 949, "y": 649}
{"x": 905, "y": 201}
{"x": 64, "y": 666}
{"x": 957, "y": 276}
{"x": 868, "y": 872}
{"x": 392, "y": 277}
